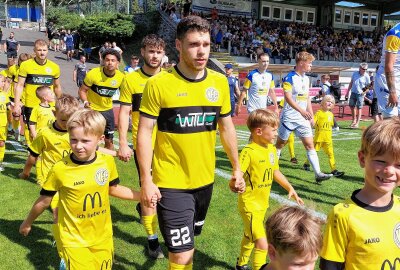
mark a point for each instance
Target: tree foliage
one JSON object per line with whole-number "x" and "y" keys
{"x": 96, "y": 27}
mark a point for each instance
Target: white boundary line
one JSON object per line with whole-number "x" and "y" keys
{"x": 276, "y": 197}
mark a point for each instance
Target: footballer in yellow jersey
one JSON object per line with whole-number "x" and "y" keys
{"x": 36, "y": 75}
{"x": 102, "y": 88}
{"x": 4, "y": 105}
{"x": 50, "y": 146}
{"x": 362, "y": 237}
{"x": 131, "y": 94}
{"x": 187, "y": 112}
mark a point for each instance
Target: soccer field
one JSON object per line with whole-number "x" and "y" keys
{"x": 216, "y": 248}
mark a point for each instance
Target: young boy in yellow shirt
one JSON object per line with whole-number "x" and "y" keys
{"x": 323, "y": 123}
{"x": 4, "y": 104}
{"x": 363, "y": 232}
{"x": 259, "y": 165}
{"x": 42, "y": 115}
{"x": 84, "y": 179}
{"x": 294, "y": 239}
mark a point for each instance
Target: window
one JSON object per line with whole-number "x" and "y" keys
{"x": 356, "y": 17}
{"x": 266, "y": 11}
{"x": 288, "y": 14}
{"x": 365, "y": 17}
{"x": 374, "y": 19}
{"x": 310, "y": 16}
{"x": 299, "y": 15}
{"x": 347, "y": 15}
{"x": 338, "y": 15}
{"x": 276, "y": 13}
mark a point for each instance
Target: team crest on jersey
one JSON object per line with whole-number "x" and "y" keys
{"x": 272, "y": 158}
{"x": 396, "y": 234}
{"x": 212, "y": 94}
{"x": 113, "y": 83}
{"x": 48, "y": 70}
{"x": 101, "y": 176}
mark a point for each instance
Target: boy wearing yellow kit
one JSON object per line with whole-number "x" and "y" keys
{"x": 259, "y": 164}
{"x": 4, "y": 104}
{"x": 363, "y": 232}
{"x": 84, "y": 180}
{"x": 294, "y": 239}
{"x": 42, "y": 115}
{"x": 323, "y": 123}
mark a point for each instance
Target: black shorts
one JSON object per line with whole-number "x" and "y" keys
{"x": 374, "y": 107}
{"x": 26, "y": 114}
{"x": 181, "y": 216}
{"x": 79, "y": 83}
{"x": 110, "y": 124}
{"x": 12, "y": 54}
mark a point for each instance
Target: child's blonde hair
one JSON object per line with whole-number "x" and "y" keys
{"x": 304, "y": 56}
{"x": 294, "y": 229}
{"x": 41, "y": 91}
{"x": 327, "y": 98}
{"x": 382, "y": 137}
{"x": 91, "y": 121}
{"x": 67, "y": 105}
{"x": 261, "y": 117}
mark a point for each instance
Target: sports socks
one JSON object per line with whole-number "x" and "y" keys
{"x": 246, "y": 247}
{"x": 290, "y": 143}
{"x": 2, "y": 151}
{"x": 150, "y": 225}
{"x": 313, "y": 158}
{"x": 259, "y": 258}
{"x": 174, "y": 266}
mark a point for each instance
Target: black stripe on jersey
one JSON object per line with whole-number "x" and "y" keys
{"x": 31, "y": 123}
{"x": 136, "y": 100}
{"x": 79, "y": 162}
{"x": 370, "y": 207}
{"x": 188, "y": 119}
{"x": 251, "y": 184}
{"x": 33, "y": 153}
{"x": 148, "y": 115}
{"x": 114, "y": 182}
{"x": 39, "y": 79}
{"x": 103, "y": 91}
{"x": 225, "y": 114}
{"x": 45, "y": 192}
{"x": 330, "y": 265}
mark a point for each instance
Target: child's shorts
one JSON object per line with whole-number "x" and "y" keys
{"x": 253, "y": 223}
{"x": 96, "y": 257}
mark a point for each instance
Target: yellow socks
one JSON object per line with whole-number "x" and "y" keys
{"x": 150, "y": 224}
{"x": 174, "y": 266}
{"x": 259, "y": 258}
{"x": 2, "y": 151}
{"x": 245, "y": 251}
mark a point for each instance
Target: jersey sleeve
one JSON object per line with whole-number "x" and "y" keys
{"x": 151, "y": 100}
{"x": 125, "y": 94}
{"x": 272, "y": 84}
{"x": 226, "y": 103}
{"x": 34, "y": 117}
{"x": 57, "y": 72}
{"x": 244, "y": 159}
{"x": 22, "y": 71}
{"x": 392, "y": 44}
{"x": 52, "y": 182}
{"x": 37, "y": 145}
{"x": 287, "y": 84}
{"x": 88, "y": 81}
{"x": 113, "y": 170}
{"x": 335, "y": 236}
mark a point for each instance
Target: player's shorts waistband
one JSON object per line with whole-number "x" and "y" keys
{"x": 186, "y": 190}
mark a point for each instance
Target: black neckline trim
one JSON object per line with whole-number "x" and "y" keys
{"x": 38, "y": 63}
{"x": 191, "y": 80}
{"x": 48, "y": 106}
{"x": 144, "y": 73}
{"x": 370, "y": 207}
{"x": 79, "y": 162}
{"x": 58, "y": 129}
{"x": 102, "y": 70}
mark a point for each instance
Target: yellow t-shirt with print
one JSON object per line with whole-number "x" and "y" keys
{"x": 42, "y": 117}
{"x": 323, "y": 126}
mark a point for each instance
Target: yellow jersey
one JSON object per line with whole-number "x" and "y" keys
{"x": 12, "y": 74}
{"x": 102, "y": 88}
{"x": 362, "y": 237}
{"x": 84, "y": 217}
{"x": 50, "y": 145}
{"x": 4, "y": 103}
{"x": 37, "y": 75}
{"x": 131, "y": 94}
{"x": 42, "y": 117}
{"x": 187, "y": 112}
{"x": 323, "y": 126}
{"x": 258, "y": 164}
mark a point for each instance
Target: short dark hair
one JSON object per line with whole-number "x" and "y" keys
{"x": 153, "y": 40}
{"x": 112, "y": 52}
{"x": 135, "y": 57}
{"x": 191, "y": 23}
